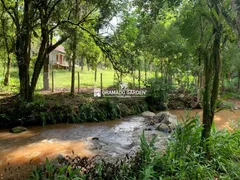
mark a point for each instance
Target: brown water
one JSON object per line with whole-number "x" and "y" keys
{"x": 19, "y": 152}
{"x": 221, "y": 119}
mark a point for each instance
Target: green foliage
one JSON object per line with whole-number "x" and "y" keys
{"x": 147, "y": 148}
{"x": 157, "y": 95}
{"x": 51, "y": 172}
{"x": 88, "y": 113}
{"x": 185, "y": 158}
{"x": 43, "y": 111}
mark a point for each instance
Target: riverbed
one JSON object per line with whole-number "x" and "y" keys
{"x": 20, "y": 152}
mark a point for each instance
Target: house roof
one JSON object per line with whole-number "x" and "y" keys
{"x": 60, "y": 48}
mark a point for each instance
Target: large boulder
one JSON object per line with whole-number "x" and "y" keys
{"x": 162, "y": 127}
{"x": 164, "y": 120}
{"x": 148, "y": 114}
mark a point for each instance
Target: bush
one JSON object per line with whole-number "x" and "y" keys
{"x": 41, "y": 112}
{"x": 185, "y": 158}
{"x": 157, "y": 95}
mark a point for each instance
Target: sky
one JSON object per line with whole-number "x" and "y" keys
{"x": 111, "y": 27}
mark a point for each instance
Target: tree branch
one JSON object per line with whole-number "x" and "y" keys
{"x": 52, "y": 47}
{"x": 107, "y": 49}
{"x": 52, "y": 8}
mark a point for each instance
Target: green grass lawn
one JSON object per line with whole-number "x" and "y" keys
{"x": 62, "y": 78}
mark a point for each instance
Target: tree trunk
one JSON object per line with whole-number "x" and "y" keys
{"x": 95, "y": 75}
{"x": 73, "y": 62}
{"x": 88, "y": 65}
{"x": 46, "y": 71}
{"x": 145, "y": 69}
{"x": 22, "y": 54}
{"x": 37, "y": 70}
{"x": 7, "y": 75}
{"x": 207, "y": 113}
{"x": 212, "y": 67}
{"x": 70, "y": 65}
{"x": 42, "y": 56}
{"x": 4, "y": 63}
{"x": 46, "y": 68}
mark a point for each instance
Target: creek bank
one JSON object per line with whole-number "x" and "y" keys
{"x": 66, "y": 109}
{"x": 63, "y": 108}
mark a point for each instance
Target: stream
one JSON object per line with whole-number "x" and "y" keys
{"x": 20, "y": 152}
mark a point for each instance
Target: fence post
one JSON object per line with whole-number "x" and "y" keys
{"x": 78, "y": 82}
{"x": 95, "y": 75}
{"x": 101, "y": 84}
{"x": 52, "y": 81}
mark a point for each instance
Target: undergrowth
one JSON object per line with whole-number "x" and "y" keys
{"x": 40, "y": 112}
{"x": 183, "y": 159}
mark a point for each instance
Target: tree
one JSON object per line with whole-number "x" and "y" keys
{"x": 212, "y": 13}
{"x": 7, "y": 31}
{"x": 47, "y": 15}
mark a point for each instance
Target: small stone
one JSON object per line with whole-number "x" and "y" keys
{"x": 235, "y": 108}
{"x": 181, "y": 95}
{"x": 148, "y": 129}
{"x": 18, "y": 129}
{"x": 95, "y": 138}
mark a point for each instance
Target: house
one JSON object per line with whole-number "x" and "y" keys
{"x": 57, "y": 58}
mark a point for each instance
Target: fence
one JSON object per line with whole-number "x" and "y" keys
{"x": 60, "y": 80}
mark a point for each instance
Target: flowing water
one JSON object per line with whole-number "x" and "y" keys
{"x": 222, "y": 119}
{"x": 20, "y": 152}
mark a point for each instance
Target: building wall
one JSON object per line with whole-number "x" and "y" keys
{"x": 52, "y": 57}
{"x": 53, "y": 60}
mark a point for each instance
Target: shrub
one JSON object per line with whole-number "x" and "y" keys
{"x": 157, "y": 95}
